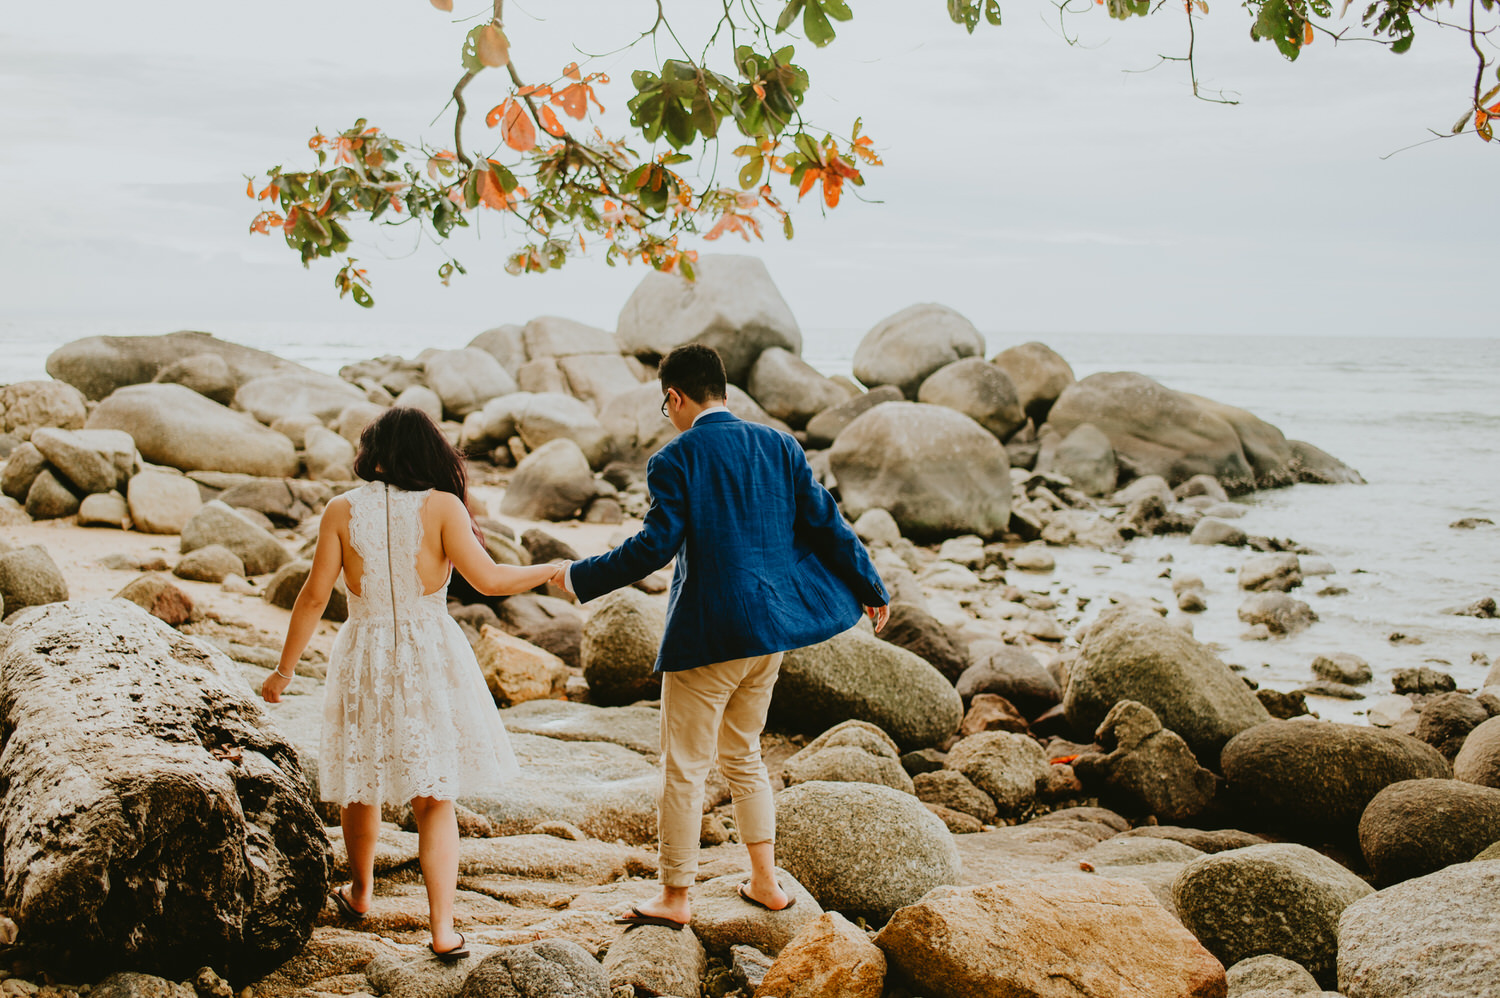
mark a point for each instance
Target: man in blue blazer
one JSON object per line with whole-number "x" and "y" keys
{"x": 765, "y": 563}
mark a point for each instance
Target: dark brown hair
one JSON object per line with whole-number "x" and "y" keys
{"x": 404, "y": 447}
{"x": 694, "y": 370}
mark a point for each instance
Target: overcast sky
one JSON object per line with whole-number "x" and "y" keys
{"x": 1033, "y": 186}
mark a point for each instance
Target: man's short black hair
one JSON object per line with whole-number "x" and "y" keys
{"x": 696, "y": 371}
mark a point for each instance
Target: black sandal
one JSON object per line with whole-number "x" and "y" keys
{"x": 453, "y": 955}
{"x": 346, "y": 910}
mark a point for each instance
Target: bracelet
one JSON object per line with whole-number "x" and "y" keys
{"x": 284, "y": 675}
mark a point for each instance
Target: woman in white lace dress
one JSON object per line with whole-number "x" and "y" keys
{"x": 407, "y": 716}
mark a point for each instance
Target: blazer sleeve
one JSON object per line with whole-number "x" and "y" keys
{"x": 655, "y": 544}
{"x": 822, "y": 526}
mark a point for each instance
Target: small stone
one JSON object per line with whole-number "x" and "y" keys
{"x": 1422, "y": 679}
{"x": 1341, "y": 667}
{"x": 1033, "y": 559}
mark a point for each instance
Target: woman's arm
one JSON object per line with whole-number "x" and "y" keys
{"x": 468, "y": 556}
{"x": 328, "y": 561}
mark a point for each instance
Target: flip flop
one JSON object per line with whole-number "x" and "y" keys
{"x": 346, "y": 910}
{"x": 745, "y": 895}
{"x": 452, "y": 955}
{"x": 637, "y": 917}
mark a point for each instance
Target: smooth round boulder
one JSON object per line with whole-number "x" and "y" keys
{"x": 1417, "y": 827}
{"x": 1155, "y": 430}
{"x": 916, "y": 630}
{"x": 906, "y": 348}
{"x": 1342, "y": 667}
{"x": 465, "y": 379}
{"x": 1317, "y": 777}
{"x": 29, "y": 577}
{"x": 790, "y": 388}
{"x": 208, "y": 374}
{"x": 619, "y": 646}
{"x": 546, "y": 968}
{"x": 103, "y": 509}
{"x": 548, "y": 416}
{"x": 1039, "y": 374}
{"x": 49, "y": 498}
{"x": 177, "y": 427}
{"x": 1432, "y": 937}
{"x": 862, "y": 849}
{"x": 162, "y": 502}
{"x": 1269, "y": 972}
{"x": 824, "y": 428}
{"x": 979, "y": 390}
{"x": 855, "y": 675}
{"x": 216, "y": 523}
{"x": 283, "y": 587}
{"x": 327, "y": 456}
{"x": 26, "y": 406}
{"x": 731, "y": 305}
{"x": 935, "y": 470}
{"x": 1447, "y": 720}
{"x": 1278, "y": 898}
{"x": 276, "y": 396}
{"x": 89, "y": 460}
{"x": 506, "y": 344}
{"x": 1007, "y": 766}
{"x": 1014, "y": 674}
{"x": 1086, "y": 457}
{"x": 553, "y": 482}
{"x": 1133, "y": 654}
{"x": 1280, "y": 613}
{"x": 213, "y": 563}
{"x": 1479, "y": 759}
{"x": 423, "y": 399}
{"x": 99, "y": 365}
{"x": 851, "y": 752}
{"x": 20, "y": 471}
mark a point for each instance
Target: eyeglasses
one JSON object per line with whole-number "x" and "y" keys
{"x": 664, "y": 400}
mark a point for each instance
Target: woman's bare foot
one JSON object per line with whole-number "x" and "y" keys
{"x": 447, "y": 941}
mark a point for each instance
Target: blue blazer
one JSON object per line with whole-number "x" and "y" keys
{"x": 765, "y": 560}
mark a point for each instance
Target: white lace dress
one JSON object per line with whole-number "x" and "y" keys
{"x": 407, "y": 713}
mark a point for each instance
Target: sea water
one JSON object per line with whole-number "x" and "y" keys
{"x": 1418, "y": 417}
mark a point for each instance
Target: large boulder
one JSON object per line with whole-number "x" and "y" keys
{"x": 162, "y": 502}
{"x": 722, "y": 919}
{"x": 275, "y": 396}
{"x": 935, "y": 470}
{"x": 830, "y": 956}
{"x": 20, "y": 472}
{"x": 553, "y": 482}
{"x": 825, "y": 427}
{"x": 465, "y": 379}
{"x": 208, "y": 374}
{"x": 29, "y": 577}
{"x": 26, "y": 406}
{"x": 1133, "y": 654}
{"x": 91, "y": 460}
{"x": 49, "y": 497}
{"x": 1039, "y": 374}
{"x": 791, "y": 389}
{"x": 1147, "y": 768}
{"x": 506, "y": 343}
{"x": 286, "y": 502}
{"x": 1268, "y": 972}
{"x": 916, "y": 630}
{"x": 979, "y": 390}
{"x": 1086, "y": 457}
{"x": 1447, "y": 720}
{"x": 546, "y": 968}
{"x": 1479, "y": 759}
{"x": 176, "y": 426}
{"x": 1007, "y": 766}
{"x": 596, "y": 378}
{"x": 731, "y": 305}
{"x": 517, "y": 671}
{"x": 855, "y": 675}
{"x": 99, "y": 365}
{"x": 655, "y": 960}
{"x": 551, "y": 336}
{"x": 619, "y": 647}
{"x": 1433, "y": 937}
{"x": 1317, "y": 777}
{"x": 216, "y": 523}
{"x": 851, "y": 752}
{"x": 1416, "y": 827}
{"x": 862, "y": 849}
{"x": 548, "y": 416}
{"x": 1070, "y": 934}
{"x": 285, "y": 585}
{"x": 547, "y": 622}
{"x": 906, "y": 348}
{"x": 637, "y": 727}
{"x": 1155, "y": 430}
{"x": 153, "y": 815}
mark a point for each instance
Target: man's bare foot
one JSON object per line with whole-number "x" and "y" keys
{"x": 769, "y": 896}
{"x": 664, "y": 905}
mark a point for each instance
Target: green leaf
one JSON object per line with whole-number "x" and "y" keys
{"x": 836, "y": 9}
{"x": 1122, "y": 9}
{"x": 1280, "y": 21}
{"x": 675, "y": 158}
{"x": 786, "y": 226}
{"x": 788, "y": 15}
{"x": 992, "y": 12}
{"x": 471, "y": 190}
{"x": 362, "y": 298}
{"x": 470, "y": 54}
{"x": 750, "y": 173}
{"x": 815, "y": 25}
{"x": 503, "y": 177}
{"x": 965, "y": 12}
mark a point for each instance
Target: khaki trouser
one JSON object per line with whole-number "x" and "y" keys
{"x": 713, "y": 707}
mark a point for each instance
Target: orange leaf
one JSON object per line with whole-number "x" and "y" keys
{"x": 1307, "y": 33}
{"x": 1480, "y": 117}
{"x": 551, "y": 124}
{"x": 808, "y": 179}
{"x": 443, "y": 5}
{"x": 497, "y": 112}
{"x": 832, "y": 186}
{"x": 250, "y": 188}
{"x": 760, "y": 91}
{"x": 396, "y": 204}
{"x": 492, "y": 47}
{"x": 516, "y": 129}
{"x": 571, "y": 71}
{"x": 491, "y": 194}
{"x": 535, "y": 90}
{"x": 1494, "y": 109}
{"x": 573, "y": 99}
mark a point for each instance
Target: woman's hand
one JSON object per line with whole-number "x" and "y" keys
{"x": 275, "y": 685}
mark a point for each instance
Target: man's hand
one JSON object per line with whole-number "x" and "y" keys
{"x": 878, "y": 615}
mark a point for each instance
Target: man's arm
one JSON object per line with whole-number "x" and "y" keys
{"x": 657, "y": 542}
{"x": 822, "y": 523}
